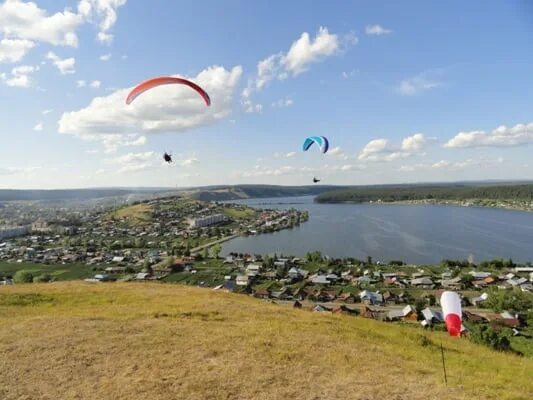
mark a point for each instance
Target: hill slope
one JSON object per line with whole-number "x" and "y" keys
{"x": 139, "y": 341}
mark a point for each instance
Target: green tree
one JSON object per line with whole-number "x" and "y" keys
{"x": 23, "y": 277}
{"x": 512, "y": 300}
{"x": 216, "y": 251}
{"x": 205, "y": 253}
{"x": 484, "y": 334}
{"x": 43, "y": 278}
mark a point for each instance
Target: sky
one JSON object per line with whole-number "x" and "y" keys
{"x": 405, "y": 92}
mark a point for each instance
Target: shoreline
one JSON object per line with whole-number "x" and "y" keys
{"x": 479, "y": 203}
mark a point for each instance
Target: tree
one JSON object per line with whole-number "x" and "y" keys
{"x": 23, "y": 277}
{"x": 484, "y": 334}
{"x": 216, "y": 251}
{"x": 512, "y": 300}
{"x": 43, "y": 278}
{"x": 205, "y": 253}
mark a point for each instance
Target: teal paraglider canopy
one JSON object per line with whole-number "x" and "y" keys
{"x": 321, "y": 141}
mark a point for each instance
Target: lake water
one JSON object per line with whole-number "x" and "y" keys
{"x": 413, "y": 233}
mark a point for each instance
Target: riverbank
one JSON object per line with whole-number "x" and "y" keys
{"x": 485, "y": 203}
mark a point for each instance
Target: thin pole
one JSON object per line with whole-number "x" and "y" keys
{"x": 443, "y": 364}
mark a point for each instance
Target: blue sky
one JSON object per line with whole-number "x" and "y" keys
{"x": 405, "y": 91}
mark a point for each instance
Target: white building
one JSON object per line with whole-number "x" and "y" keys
{"x": 13, "y": 231}
{"x": 206, "y": 221}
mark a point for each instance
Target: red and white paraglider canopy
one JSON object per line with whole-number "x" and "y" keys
{"x": 451, "y": 310}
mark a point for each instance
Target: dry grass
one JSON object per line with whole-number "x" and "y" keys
{"x": 136, "y": 214}
{"x": 74, "y": 340}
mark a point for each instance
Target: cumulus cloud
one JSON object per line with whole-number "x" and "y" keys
{"x": 291, "y": 154}
{"x": 105, "y": 57}
{"x": 81, "y": 83}
{"x": 134, "y": 162}
{"x": 102, "y": 12}
{"x": 13, "y": 50}
{"x": 20, "y": 76}
{"x": 48, "y": 111}
{"x": 337, "y": 152}
{"x": 383, "y": 150}
{"x": 417, "y": 84}
{"x": 38, "y": 127}
{"x": 171, "y": 108}
{"x": 188, "y": 162}
{"x": 502, "y": 136}
{"x": 376, "y": 30}
{"x": 96, "y": 84}
{"x": 349, "y": 74}
{"x": 25, "y": 20}
{"x": 64, "y": 65}
{"x": 302, "y": 53}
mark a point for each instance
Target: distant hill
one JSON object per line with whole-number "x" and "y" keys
{"x": 223, "y": 193}
{"x": 67, "y": 194}
{"x": 457, "y": 191}
{"x": 149, "y": 340}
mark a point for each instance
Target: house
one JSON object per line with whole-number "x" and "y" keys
{"x": 294, "y": 273}
{"x": 117, "y": 259}
{"x": 394, "y": 315}
{"x": 348, "y": 298}
{"x": 479, "y": 284}
{"x": 390, "y": 298}
{"x": 229, "y": 286}
{"x": 320, "y": 308}
{"x": 431, "y": 316}
{"x": 242, "y": 280}
{"x": 422, "y": 283}
{"x": 332, "y": 277}
{"x": 344, "y": 310}
{"x": 472, "y": 317}
{"x": 409, "y": 313}
{"x": 262, "y": 293}
{"x": 115, "y": 270}
{"x": 253, "y": 270}
{"x": 368, "y": 297}
{"x": 452, "y": 283}
{"x": 373, "y": 313}
{"x": 480, "y": 274}
{"x": 143, "y": 276}
{"x": 300, "y": 294}
{"x": 320, "y": 280}
{"x": 476, "y": 301}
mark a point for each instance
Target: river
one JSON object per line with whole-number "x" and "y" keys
{"x": 419, "y": 234}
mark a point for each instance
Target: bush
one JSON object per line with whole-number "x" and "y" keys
{"x": 23, "y": 277}
{"x": 484, "y": 334}
{"x": 43, "y": 278}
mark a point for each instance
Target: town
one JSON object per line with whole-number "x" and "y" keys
{"x": 177, "y": 240}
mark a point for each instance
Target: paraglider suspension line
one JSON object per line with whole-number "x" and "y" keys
{"x": 443, "y": 364}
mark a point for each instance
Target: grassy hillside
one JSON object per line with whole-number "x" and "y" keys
{"x": 136, "y": 214}
{"x": 138, "y": 341}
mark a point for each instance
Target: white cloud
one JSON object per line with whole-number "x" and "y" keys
{"x": 25, "y": 20}
{"x": 105, "y": 57}
{"x": 383, "y": 150}
{"x": 302, "y": 53}
{"x": 503, "y": 136}
{"x": 96, "y": 84}
{"x": 376, "y": 30}
{"x": 38, "y": 127}
{"x": 416, "y": 85}
{"x": 45, "y": 112}
{"x": 188, "y": 162}
{"x": 305, "y": 51}
{"x": 13, "y": 50}
{"x": 81, "y": 83}
{"x": 171, "y": 108}
{"x": 134, "y": 162}
{"x": 337, "y": 152}
{"x": 104, "y": 13}
{"x": 19, "y": 76}
{"x": 449, "y": 165}
{"x": 291, "y": 154}
{"x": 287, "y": 102}
{"x": 17, "y": 170}
{"x": 64, "y": 65}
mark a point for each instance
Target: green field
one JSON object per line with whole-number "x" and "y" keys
{"x": 59, "y": 272}
{"x": 149, "y": 340}
{"x": 135, "y": 215}
{"x": 247, "y": 213}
